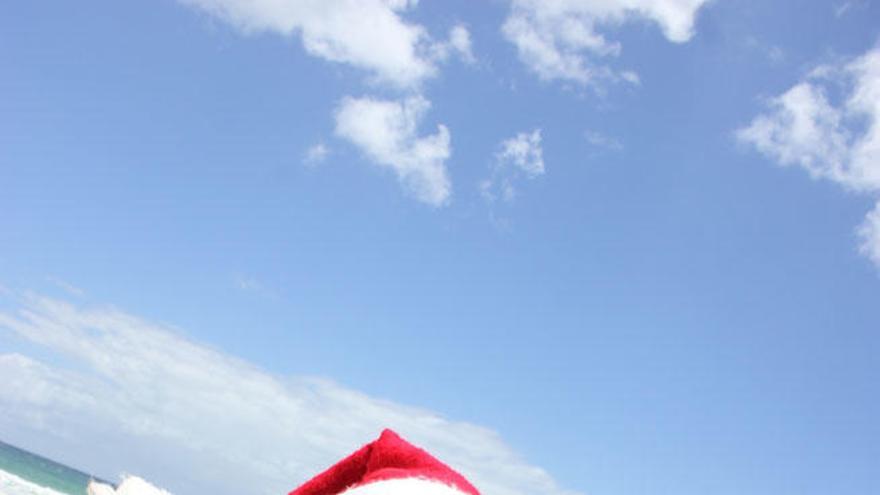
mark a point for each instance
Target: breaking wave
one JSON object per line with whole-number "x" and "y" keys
{"x": 11, "y": 484}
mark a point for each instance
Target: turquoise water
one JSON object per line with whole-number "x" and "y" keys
{"x": 44, "y": 476}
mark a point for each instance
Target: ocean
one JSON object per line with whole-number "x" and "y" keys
{"x": 23, "y": 473}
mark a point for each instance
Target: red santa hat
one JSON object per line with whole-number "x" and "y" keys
{"x": 388, "y": 466}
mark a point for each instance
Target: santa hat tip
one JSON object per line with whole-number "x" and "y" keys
{"x": 388, "y": 466}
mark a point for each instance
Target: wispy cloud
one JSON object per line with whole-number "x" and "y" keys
{"x": 250, "y": 284}
{"x": 869, "y": 235}
{"x": 67, "y": 287}
{"x": 844, "y": 8}
{"x": 829, "y": 125}
{"x": 563, "y": 40}
{"x": 458, "y": 44}
{"x": 518, "y": 156}
{"x": 387, "y": 133}
{"x": 524, "y": 153}
{"x": 315, "y": 155}
{"x": 772, "y": 53}
{"x": 137, "y": 397}
{"x": 602, "y": 141}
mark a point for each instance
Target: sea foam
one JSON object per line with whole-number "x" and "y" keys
{"x": 11, "y": 484}
{"x": 131, "y": 485}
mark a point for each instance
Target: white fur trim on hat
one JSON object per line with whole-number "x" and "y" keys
{"x": 404, "y": 486}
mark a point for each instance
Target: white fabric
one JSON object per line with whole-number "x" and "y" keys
{"x": 404, "y": 486}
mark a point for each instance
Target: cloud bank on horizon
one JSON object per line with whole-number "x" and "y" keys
{"x": 150, "y": 402}
{"x": 829, "y": 125}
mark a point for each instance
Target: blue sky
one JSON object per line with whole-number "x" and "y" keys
{"x": 637, "y": 243}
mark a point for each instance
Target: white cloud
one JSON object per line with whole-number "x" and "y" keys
{"x": 248, "y": 284}
{"x": 460, "y": 39}
{"x": 524, "y": 152}
{"x": 869, "y": 235}
{"x": 459, "y": 44}
{"x": 69, "y": 288}
{"x": 803, "y": 129}
{"x": 367, "y": 34}
{"x": 386, "y": 131}
{"x": 519, "y": 155}
{"x": 316, "y": 155}
{"x": 373, "y": 36}
{"x": 829, "y": 125}
{"x": 772, "y": 53}
{"x": 252, "y": 285}
{"x": 134, "y": 396}
{"x": 599, "y": 140}
{"x": 562, "y": 39}
{"x": 845, "y": 8}
{"x": 775, "y": 54}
